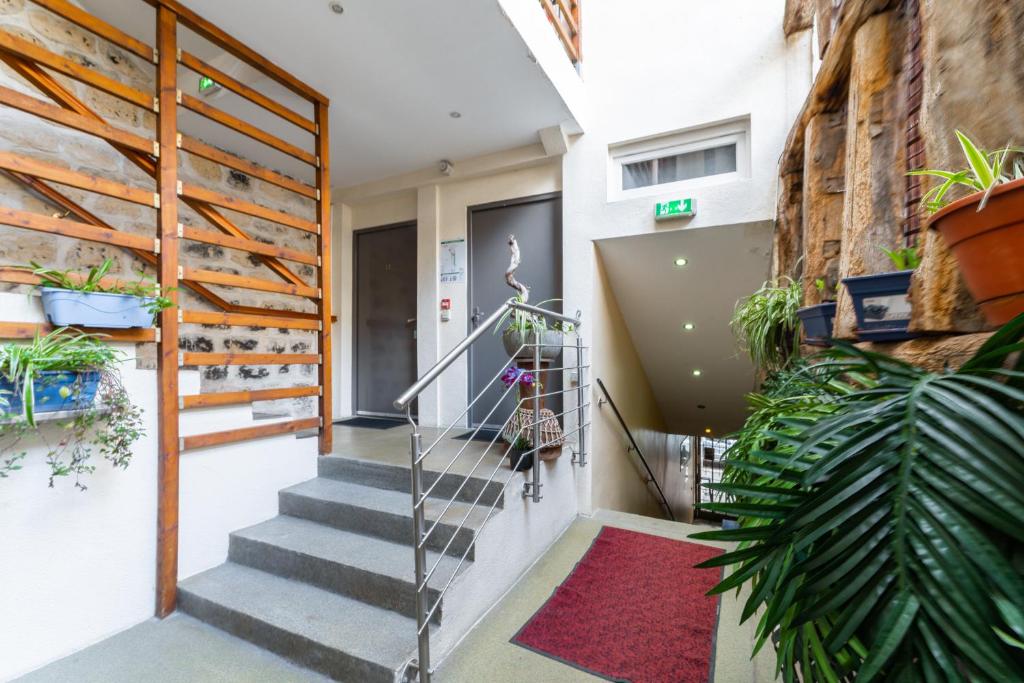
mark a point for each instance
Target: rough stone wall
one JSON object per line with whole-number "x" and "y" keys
{"x": 875, "y": 159}
{"x": 30, "y": 136}
{"x": 973, "y": 53}
{"x": 823, "y": 192}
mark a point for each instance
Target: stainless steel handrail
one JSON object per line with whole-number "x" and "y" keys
{"x": 531, "y": 488}
{"x": 636, "y": 447}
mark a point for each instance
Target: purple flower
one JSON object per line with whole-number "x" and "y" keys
{"x": 513, "y": 375}
{"x": 526, "y": 379}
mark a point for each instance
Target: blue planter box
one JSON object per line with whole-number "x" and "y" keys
{"x": 68, "y": 308}
{"x": 817, "y": 322}
{"x": 882, "y": 305}
{"x": 54, "y": 390}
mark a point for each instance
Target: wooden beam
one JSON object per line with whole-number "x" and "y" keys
{"x": 102, "y": 29}
{"x": 167, "y": 353}
{"x": 32, "y": 52}
{"x": 246, "y": 128}
{"x": 68, "y": 228}
{"x": 85, "y": 124}
{"x": 191, "y": 443}
{"x": 46, "y": 83}
{"x": 192, "y": 62}
{"x": 246, "y": 244}
{"x": 212, "y": 277}
{"x": 563, "y": 34}
{"x": 9, "y": 330}
{"x": 189, "y": 359}
{"x": 201, "y": 149}
{"x": 325, "y": 372}
{"x": 567, "y": 15}
{"x": 23, "y": 275}
{"x": 262, "y": 319}
{"x": 65, "y": 176}
{"x": 236, "y": 397}
{"x": 226, "y": 201}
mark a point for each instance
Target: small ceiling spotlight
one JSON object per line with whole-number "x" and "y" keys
{"x": 336, "y": 7}
{"x": 688, "y": 326}
{"x": 697, "y": 373}
{"x": 446, "y": 167}
{"x": 680, "y": 262}
{"x": 455, "y": 114}
{"x": 707, "y": 430}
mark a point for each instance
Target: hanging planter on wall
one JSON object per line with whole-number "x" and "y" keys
{"x": 985, "y": 230}
{"x": 882, "y": 305}
{"x": 817, "y": 322}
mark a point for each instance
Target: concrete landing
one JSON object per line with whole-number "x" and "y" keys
{"x": 487, "y": 655}
{"x": 178, "y": 649}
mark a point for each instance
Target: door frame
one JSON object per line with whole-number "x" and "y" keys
{"x": 518, "y": 201}
{"x": 355, "y": 313}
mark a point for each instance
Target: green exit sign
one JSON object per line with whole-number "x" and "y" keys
{"x": 676, "y": 208}
{"x": 207, "y": 85}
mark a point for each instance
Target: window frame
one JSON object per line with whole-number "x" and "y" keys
{"x": 694, "y": 140}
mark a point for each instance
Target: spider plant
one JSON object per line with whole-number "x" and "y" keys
{"x": 903, "y": 258}
{"x": 985, "y": 170}
{"x": 767, "y": 326}
{"x": 882, "y": 518}
{"x": 92, "y": 281}
{"x": 523, "y": 321}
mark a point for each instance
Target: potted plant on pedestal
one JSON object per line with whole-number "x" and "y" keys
{"x": 64, "y": 373}
{"x": 985, "y": 229}
{"x": 71, "y": 299}
{"x": 882, "y": 301}
{"x": 817, "y": 320}
{"x": 520, "y": 329}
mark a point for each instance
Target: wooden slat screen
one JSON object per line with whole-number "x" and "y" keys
{"x": 159, "y": 157}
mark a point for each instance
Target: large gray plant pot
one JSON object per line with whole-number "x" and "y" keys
{"x": 66, "y": 307}
{"x": 552, "y": 341}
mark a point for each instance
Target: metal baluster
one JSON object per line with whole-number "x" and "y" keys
{"x": 420, "y": 550}
{"x": 536, "y": 411}
{"x": 581, "y": 457}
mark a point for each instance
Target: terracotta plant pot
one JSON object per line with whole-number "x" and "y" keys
{"x": 989, "y": 246}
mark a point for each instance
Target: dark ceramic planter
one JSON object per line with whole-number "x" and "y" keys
{"x": 817, "y": 321}
{"x": 525, "y": 464}
{"x": 882, "y": 305}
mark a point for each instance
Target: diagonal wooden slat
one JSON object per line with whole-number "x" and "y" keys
{"x": 65, "y": 176}
{"x": 68, "y": 228}
{"x": 18, "y": 46}
{"x": 252, "y": 246}
{"x": 212, "y": 277}
{"x": 201, "y": 149}
{"x": 226, "y": 201}
{"x": 104, "y": 30}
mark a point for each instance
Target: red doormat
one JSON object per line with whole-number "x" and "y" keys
{"x": 633, "y": 609}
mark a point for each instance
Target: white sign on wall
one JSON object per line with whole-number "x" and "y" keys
{"x": 453, "y": 261}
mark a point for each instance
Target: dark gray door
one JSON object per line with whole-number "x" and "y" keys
{"x": 385, "y": 316}
{"x": 537, "y": 224}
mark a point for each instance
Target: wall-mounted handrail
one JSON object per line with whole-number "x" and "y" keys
{"x": 636, "y": 448}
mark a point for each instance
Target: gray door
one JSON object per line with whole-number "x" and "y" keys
{"x": 385, "y": 316}
{"x": 537, "y": 224}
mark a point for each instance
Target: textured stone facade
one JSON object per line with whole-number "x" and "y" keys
{"x": 907, "y": 73}
{"x": 33, "y": 137}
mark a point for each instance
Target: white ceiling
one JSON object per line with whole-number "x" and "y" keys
{"x": 393, "y": 70}
{"x": 724, "y": 263}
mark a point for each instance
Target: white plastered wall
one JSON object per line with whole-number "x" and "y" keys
{"x": 79, "y": 566}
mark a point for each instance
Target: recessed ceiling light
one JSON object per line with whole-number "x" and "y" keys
{"x": 688, "y": 326}
{"x": 336, "y": 8}
{"x": 680, "y": 262}
{"x": 707, "y": 430}
{"x": 455, "y": 114}
{"x": 696, "y": 373}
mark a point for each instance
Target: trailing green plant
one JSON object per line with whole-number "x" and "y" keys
{"x": 92, "y": 282}
{"x": 881, "y": 517}
{"x": 108, "y": 427}
{"x": 903, "y": 258}
{"x": 985, "y": 171}
{"x": 767, "y": 326}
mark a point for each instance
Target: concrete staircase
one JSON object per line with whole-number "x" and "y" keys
{"x": 329, "y": 582}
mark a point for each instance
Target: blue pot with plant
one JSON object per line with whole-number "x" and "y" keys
{"x": 882, "y": 301}
{"x": 90, "y": 300}
{"x": 817, "y": 320}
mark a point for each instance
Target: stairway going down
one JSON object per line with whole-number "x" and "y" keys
{"x": 328, "y": 583}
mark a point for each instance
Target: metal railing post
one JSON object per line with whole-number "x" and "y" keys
{"x": 581, "y": 457}
{"x": 419, "y": 547}
{"x": 536, "y": 411}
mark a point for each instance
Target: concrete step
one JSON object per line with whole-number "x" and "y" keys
{"x": 371, "y": 570}
{"x": 343, "y": 638}
{"x": 398, "y": 478}
{"x": 380, "y": 513}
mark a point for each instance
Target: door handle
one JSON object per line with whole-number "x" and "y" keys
{"x": 410, "y": 321}
{"x": 478, "y": 315}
